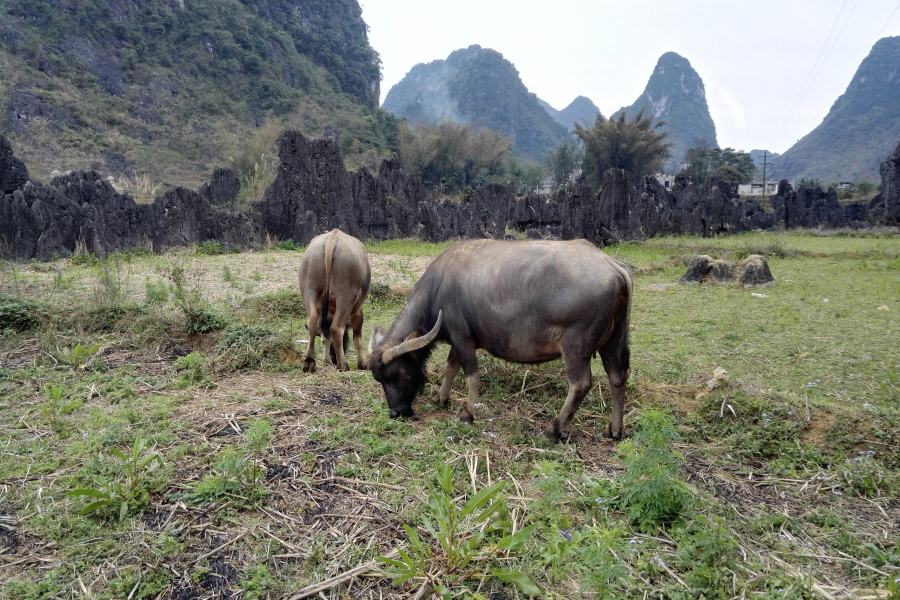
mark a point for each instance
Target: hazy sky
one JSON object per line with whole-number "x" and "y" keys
{"x": 754, "y": 57}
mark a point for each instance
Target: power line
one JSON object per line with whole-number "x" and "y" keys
{"x": 791, "y": 112}
{"x": 824, "y": 60}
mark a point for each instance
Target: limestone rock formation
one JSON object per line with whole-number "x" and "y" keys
{"x": 81, "y": 209}
{"x": 886, "y": 205}
{"x": 13, "y": 173}
{"x": 223, "y": 188}
{"x": 313, "y": 193}
{"x": 751, "y": 272}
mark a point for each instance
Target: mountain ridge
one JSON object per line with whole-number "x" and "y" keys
{"x": 860, "y": 129}
{"x": 476, "y": 85}
{"x": 675, "y": 93}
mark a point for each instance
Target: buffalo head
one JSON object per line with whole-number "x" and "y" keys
{"x": 400, "y": 369}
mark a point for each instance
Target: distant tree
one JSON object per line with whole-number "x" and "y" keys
{"x": 701, "y": 160}
{"x": 452, "y": 156}
{"x": 523, "y": 176}
{"x": 864, "y": 188}
{"x": 730, "y": 175}
{"x": 563, "y": 161}
{"x": 633, "y": 145}
{"x": 487, "y": 149}
{"x": 417, "y": 148}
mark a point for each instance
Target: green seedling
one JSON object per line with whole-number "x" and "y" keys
{"x": 129, "y": 494}
{"x": 78, "y": 356}
{"x": 54, "y": 406}
{"x": 470, "y": 541}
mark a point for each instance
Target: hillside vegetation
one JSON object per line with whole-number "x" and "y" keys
{"x": 172, "y": 88}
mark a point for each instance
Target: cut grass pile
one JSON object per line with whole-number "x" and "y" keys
{"x": 776, "y": 479}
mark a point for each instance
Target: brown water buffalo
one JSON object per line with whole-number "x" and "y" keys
{"x": 334, "y": 282}
{"x": 526, "y": 302}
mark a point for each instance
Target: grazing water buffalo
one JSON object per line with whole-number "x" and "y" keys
{"x": 526, "y": 302}
{"x": 334, "y": 282}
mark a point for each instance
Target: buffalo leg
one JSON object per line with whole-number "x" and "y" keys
{"x": 338, "y": 326}
{"x": 616, "y": 357}
{"x": 356, "y": 321}
{"x": 469, "y": 362}
{"x": 312, "y": 323}
{"x": 578, "y": 372}
{"x": 450, "y": 371}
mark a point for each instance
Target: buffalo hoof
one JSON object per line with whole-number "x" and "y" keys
{"x": 609, "y": 434}
{"x": 466, "y": 417}
{"x": 309, "y": 365}
{"x": 361, "y": 365}
{"x": 557, "y": 434}
{"x": 343, "y": 367}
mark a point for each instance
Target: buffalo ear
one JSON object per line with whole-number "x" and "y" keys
{"x": 412, "y": 336}
{"x": 375, "y": 339}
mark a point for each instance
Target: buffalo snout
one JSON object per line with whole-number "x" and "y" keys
{"x": 401, "y": 412}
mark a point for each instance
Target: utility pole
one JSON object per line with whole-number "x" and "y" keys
{"x": 765, "y": 181}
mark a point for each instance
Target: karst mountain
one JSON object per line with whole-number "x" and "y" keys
{"x": 477, "y": 85}
{"x": 581, "y": 110}
{"x": 859, "y": 131}
{"x": 675, "y": 94}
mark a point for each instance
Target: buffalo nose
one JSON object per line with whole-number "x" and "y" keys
{"x": 394, "y": 414}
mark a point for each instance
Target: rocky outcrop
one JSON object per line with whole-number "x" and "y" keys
{"x": 808, "y": 206}
{"x": 82, "y": 210}
{"x": 223, "y": 188}
{"x": 751, "y": 272}
{"x": 13, "y": 173}
{"x": 886, "y": 205}
{"x": 313, "y": 193}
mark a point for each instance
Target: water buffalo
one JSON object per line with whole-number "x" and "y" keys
{"x": 526, "y": 302}
{"x": 334, "y": 282}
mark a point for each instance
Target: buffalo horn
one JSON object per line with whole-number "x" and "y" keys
{"x": 414, "y": 344}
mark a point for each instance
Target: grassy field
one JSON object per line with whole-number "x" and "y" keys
{"x": 163, "y": 397}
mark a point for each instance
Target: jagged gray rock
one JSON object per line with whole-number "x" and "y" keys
{"x": 750, "y": 272}
{"x": 886, "y": 205}
{"x": 13, "y": 173}
{"x": 313, "y": 193}
{"x": 223, "y": 188}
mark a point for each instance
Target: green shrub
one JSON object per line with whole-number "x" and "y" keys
{"x": 157, "y": 293}
{"x": 257, "y": 582}
{"x": 235, "y": 475}
{"x": 192, "y": 369}
{"x": 284, "y": 303}
{"x": 210, "y": 248}
{"x": 248, "y": 346}
{"x": 652, "y": 494}
{"x": 467, "y": 538}
{"x": 18, "y": 314}
{"x": 203, "y": 320}
{"x": 288, "y": 245}
{"x": 120, "y": 316}
{"x": 708, "y": 551}
{"x": 55, "y": 405}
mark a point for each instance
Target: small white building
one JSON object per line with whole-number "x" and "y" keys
{"x": 756, "y": 188}
{"x": 666, "y": 180}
